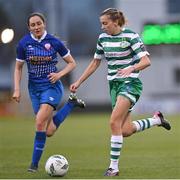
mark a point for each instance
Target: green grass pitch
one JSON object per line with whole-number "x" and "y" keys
{"x": 84, "y": 140}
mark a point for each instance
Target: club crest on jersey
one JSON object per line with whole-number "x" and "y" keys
{"x": 124, "y": 44}
{"x": 47, "y": 46}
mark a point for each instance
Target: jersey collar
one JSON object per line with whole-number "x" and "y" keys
{"x": 39, "y": 40}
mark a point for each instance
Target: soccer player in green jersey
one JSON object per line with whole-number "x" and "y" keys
{"x": 126, "y": 56}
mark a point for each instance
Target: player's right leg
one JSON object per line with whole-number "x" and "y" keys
{"x": 44, "y": 111}
{"x": 117, "y": 119}
{"x": 42, "y": 117}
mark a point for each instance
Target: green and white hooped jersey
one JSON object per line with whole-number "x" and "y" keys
{"x": 121, "y": 51}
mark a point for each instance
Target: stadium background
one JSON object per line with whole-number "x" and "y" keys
{"x": 76, "y": 22}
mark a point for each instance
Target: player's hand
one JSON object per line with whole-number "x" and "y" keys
{"x": 73, "y": 87}
{"x": 125, "y": 72}
{"x": 53, "y": 77}
{"x": 16, "y": 95}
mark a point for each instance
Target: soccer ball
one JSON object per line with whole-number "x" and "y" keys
{"x": 57, "y": 165}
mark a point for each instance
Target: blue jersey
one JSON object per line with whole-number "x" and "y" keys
{"x": 40, "y": 55}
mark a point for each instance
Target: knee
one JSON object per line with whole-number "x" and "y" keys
{"x": 112, "y": 124}
{"x": 40, "y": 125}
{"x": 115, "y": 125}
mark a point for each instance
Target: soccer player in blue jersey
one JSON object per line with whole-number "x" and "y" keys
{"x": 126, "y": 56}
{"x": 39, "y": 50}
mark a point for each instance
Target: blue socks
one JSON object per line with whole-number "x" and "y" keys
{"x": 39, "y": 142}
{"x": 60, "y": 116}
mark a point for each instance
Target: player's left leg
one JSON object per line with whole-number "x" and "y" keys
{"x": 61, "y": 114}
{"x": 157, "y": 120}
{"x": 128, "y": 127}
{"x": 131, "y": 127}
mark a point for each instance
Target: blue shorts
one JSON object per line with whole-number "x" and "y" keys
{"x": 45, "y": 94}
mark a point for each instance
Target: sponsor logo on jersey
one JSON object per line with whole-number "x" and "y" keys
{"x": 39, "y": 59}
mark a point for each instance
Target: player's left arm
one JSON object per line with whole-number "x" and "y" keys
{"x": 143, "y": 63}
{"x": 71, "y": 64}
{"x": 140, "y": 51}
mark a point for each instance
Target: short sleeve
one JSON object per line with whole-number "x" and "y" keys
{"x": 138, "y": 46}
{"x": 99, "y": 53}
{"x": 61, "y": 49}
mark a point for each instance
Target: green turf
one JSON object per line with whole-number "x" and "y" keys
{"x": 84, "y": 141}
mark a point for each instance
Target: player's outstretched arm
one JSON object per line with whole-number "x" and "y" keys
{"x": 94, "y": 64}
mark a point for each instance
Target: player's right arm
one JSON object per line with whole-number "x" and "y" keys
{"x": 17, "y": 79}
{"x": 94, "y": 64}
